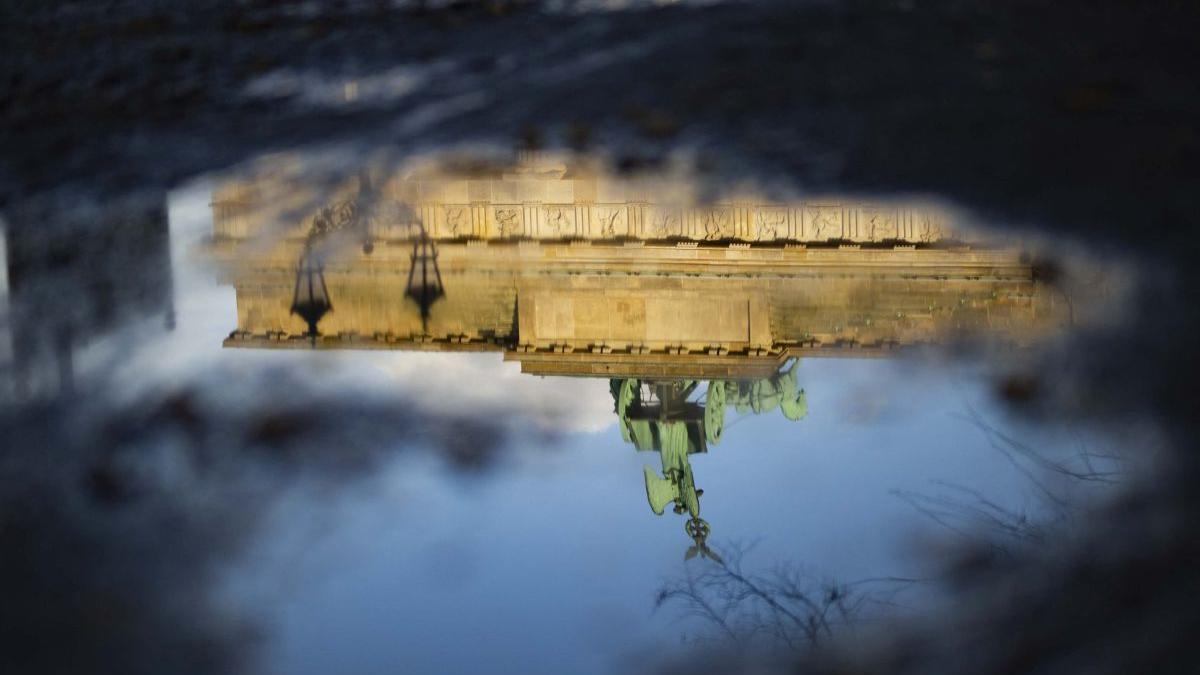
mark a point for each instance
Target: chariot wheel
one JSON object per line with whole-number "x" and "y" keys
{"x": 714, "y": 412}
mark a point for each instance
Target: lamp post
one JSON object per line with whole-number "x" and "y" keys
{"x": 310, "y": 297}
{"x": 424, "y": 279}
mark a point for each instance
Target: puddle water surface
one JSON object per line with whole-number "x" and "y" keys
{"x": 527, "y": 416}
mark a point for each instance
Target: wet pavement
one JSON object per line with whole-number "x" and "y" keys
{"x": 667, "y": 387}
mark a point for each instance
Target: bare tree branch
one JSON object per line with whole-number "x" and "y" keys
{"x": 785, "y": 606}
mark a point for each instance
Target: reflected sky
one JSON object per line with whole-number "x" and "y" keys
{"x": 536, "y": 547}
{"x": 553, "y": 561}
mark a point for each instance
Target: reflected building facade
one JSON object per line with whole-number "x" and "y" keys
{"x": 687, "y": 308}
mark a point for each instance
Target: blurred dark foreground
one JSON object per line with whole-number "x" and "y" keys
{"x": 1074, "y": 120}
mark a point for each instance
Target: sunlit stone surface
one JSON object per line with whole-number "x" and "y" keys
{"x": 543, "y": 199}
{"x": 567, "y": 294}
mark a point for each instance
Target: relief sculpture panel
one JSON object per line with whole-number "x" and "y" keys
{"x": 609, "y": 221}
{"x": 664, "y": 224}
{"x": 716, "y": 224}
{"x": 559, "y": 221}
{"x": 879, "y": 224}
{"x": 824, "y": 222}
{"x": 929, "y": 227}
{"x": 771, "y": 223}
{"x": 508, "y": 221}
{"x": 548, "y": 206}
{"x": 457, "y": 221}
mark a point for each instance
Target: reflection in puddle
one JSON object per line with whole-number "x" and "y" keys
{"x": 658, "y": 415}
{"x": 586, "y": 284}
{"x": 687, "y": 308}
{"x": 77, "y": 275}
{"x": 699, "y": 330}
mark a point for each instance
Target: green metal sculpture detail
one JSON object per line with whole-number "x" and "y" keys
{"x": 623, "y": 393}
{"x": 714, "y": 412}
{"x": 661, "y": 416}
{"x": 676, "y": 484}
{"x": 763, "y": 396}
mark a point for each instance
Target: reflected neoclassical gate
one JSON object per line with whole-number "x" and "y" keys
{"x": 686, "y": 309}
